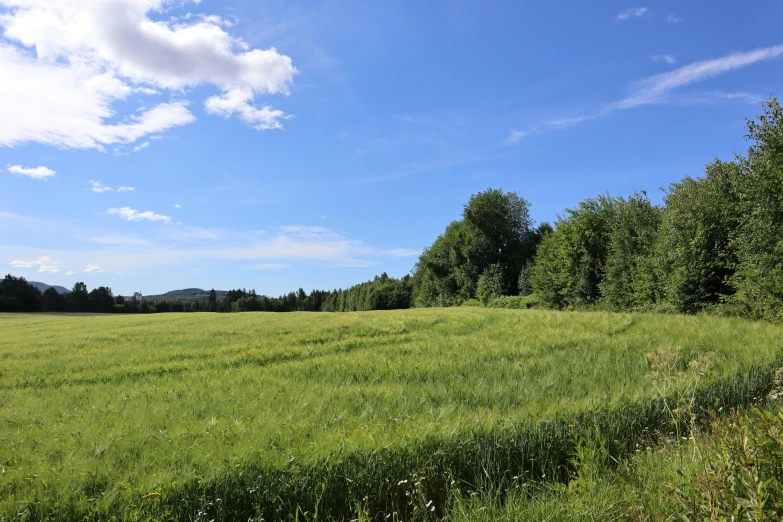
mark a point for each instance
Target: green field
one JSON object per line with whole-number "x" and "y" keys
{"x": 238, "y": 416}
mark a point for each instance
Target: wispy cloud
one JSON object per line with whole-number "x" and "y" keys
{"x": 673, "y": 19}
{"x": 283, "y": 247}
{"x": 34, "y": 173}
{"x": 634, "y": 12}
{"x": 668, "y": 58}
{"x": 92, "y": 268}
{"x": 127, "y": 240}
{"x": 99, "y": 188}
{"x": 177, "y": 205}
{"x": 71, "y": 273}
{"x": 661, "y": 87}
{"x": 142, "y": 146}
{"x": 270, "y": 266}
{"x": 130, "y": 214}
{"x": 656, "y": 88}
{"x": 516, "y": 135}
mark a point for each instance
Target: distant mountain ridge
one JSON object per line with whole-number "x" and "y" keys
{"x": 187, "y": 294}
{"x": 43, "y": 287}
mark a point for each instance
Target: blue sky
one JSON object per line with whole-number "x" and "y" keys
{"x": 152, "y": 145}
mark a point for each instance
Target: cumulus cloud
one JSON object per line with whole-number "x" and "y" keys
{"x": 34, "y": 173}
{"x": 93, "y": 268}
{"x": 66, "y": 64}
{"x": 71, "y": 273}
{"x": 238, "y": 102}
{"x": 129, "y": 214}
{"x": 177, "y": 205}
{"x": 45, "y": 264}
{"x": 42, "y": 261}
{"x": 142, "y": 146}
{"x": 49, "y": 269}
{"x": 635, "y": 12}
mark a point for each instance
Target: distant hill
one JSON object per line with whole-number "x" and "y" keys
{"x": 43, "y": 287}
{"x": 186, "y": 294}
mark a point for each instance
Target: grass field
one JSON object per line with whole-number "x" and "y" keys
{"x": 238, "y": 416}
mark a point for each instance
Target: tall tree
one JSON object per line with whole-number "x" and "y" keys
{"x": 759, "y": 239}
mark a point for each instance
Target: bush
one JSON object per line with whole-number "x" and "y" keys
{"x": 516, "y": 301}
{"x": 490, "y": 283}
{"x": 742, "y": 478}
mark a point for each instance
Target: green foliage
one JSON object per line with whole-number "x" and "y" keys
{"x": 523, "y": 282}
{"x": 570, "y": 262}
{"x": 495, "y": 229}
{"x": 444, "y": 273}
{"x": 741, "y": 477}
{"x": 382, "y": 293}
{"x": 490, "y": 283}
{"x": 629, "y": 280}
{"x": 278, "y": 415}
{"x": 696, "y": 259}
{"x": 17, "y": 295}
{"x": 519, "y": 302}
{"x": 759, "y": 239}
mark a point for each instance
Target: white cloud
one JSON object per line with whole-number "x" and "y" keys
{"x": 659, "y": 88}
{"x": 237, "y": 101}
{"x": 71, "y": 273}
{"x": 129, "y": 214}
{"x": 177, "y": 205}
{"x": 48, "y": 269}
{"x": 656, "y": 88}
{"x": 668, "y": 58}
{"x": 142, "y": 146}
{"x": 99, "y": 188}
{"x": 93, "y": 268}
{"x": 44, "y": 263}
{"x": 516, "y": 135}
{"x": 125, "y": 189}
{"x": 673, "y": 19}
{"x": 635, "y": 12}
{"x": 66, "y": 63}
{"x": 34, "y": 173}
{"x": 181, "y": 247}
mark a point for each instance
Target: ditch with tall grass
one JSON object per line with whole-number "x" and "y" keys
{"x": 385, "y": 415}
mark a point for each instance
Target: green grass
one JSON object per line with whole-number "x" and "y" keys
{"x": 729, "y": 471}
{"x": 229, "y": 416}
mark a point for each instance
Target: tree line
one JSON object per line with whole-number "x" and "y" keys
{"x": 381, "y": 293}
{"x": 716, "y": 242}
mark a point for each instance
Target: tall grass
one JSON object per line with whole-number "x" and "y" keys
{"x": 309, "y": 416}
